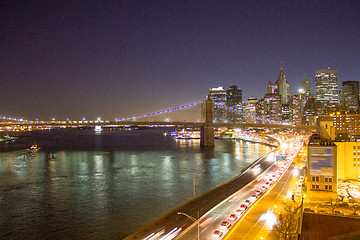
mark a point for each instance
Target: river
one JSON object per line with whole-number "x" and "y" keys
{"x": 108, "y": 185}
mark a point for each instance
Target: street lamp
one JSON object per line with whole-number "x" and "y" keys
{"x": 192, "y": 219}
{"x": 194, "y": 181}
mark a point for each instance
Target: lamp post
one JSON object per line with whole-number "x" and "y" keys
{"x": 194, "y": 181}
{"x": 192, "y": 219}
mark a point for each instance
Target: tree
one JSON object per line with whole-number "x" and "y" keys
{"x": 354, "y": 207}
{"x": 332, "y": 206}
{"x": 287, "y": 227}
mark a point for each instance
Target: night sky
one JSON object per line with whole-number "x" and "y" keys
{"x": 74, "y": 59}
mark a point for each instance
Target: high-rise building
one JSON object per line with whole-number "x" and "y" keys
{"x": 327, "y": 90}
{"x": 250, "y": 110}
{"x": 311, "y": 110}
{"x": 282, "y": 87}
{"x": 350, "y": 96}
{"x": 298, "y": 105}
{"x": 272, "y": 107}
{"x": 234, "y": 103}
{"x": 305, "y": 85}
{"x": 218, "y": 96}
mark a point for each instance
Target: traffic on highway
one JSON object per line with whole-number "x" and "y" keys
{"x": 216, "y": 223}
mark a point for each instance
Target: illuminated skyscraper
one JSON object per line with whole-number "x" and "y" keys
{"x": 305, "y": 85}
{"x": 327, "y": 89}
{"x": 218, "y": 95}
{"x": 227, "y": 103}
{"x": 272, "y": 106}
{"x": 282, "y": 87}
{"x": 250, "y": 110}
{"x": 350, "y": 96}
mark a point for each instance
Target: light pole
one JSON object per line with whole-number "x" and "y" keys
{"x": 194, "y": 181}
{"x": 192, "y": 219}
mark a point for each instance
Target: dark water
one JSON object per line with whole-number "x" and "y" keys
{"x": 106, "y": 186}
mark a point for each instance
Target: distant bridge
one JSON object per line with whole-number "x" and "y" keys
{"x": 207, "y": 126}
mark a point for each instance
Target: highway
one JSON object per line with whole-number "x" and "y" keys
{"x": 215, "y": 206}
{"x": 201, "y": 204}
{"x": 250, "y": 223}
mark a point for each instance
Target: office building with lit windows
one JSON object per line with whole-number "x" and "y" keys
{"x": 346, "y": 126}
{"x": 327, "y": 89}
{"x": 350, "y": 96}
{"x": 250, "y": 110}
{"x": 218, "y": 96}
{"x": 234, "y": 104}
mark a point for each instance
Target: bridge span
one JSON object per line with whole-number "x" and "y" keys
{"x": 207, "y": 125}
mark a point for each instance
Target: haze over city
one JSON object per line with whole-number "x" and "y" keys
{"x": 108, "y": 59}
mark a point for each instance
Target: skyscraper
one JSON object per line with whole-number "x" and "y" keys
{"x": 234, "y": 103}
{"x": 250, "y": 110}
{"x": 350, "y": 96}
{"x": 305, "y": 85}
{"x": 282, "y": 87}
{"x": 218, "y": 95}
{"x": 327, "y": 89}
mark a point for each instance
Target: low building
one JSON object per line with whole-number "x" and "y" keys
{"x": 322, "y": 169}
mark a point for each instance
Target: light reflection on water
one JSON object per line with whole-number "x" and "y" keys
{"x": 110, "y": 185}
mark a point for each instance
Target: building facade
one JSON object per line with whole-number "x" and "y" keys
{"x": 282, "y": 88}
{"x": 327, "y": 89}
{"x": 350, "y": 96}
{"x": 234, "y": 103}
{"x": 218, "y": 96}
{"x": 322, "y": 168}
{"x": 250, "y": 110}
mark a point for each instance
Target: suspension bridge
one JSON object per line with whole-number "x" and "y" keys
{"x": 207, "y": 123}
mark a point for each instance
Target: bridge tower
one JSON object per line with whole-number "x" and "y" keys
{"x": 207, "y": 130}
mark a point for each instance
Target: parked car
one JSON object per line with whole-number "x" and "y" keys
{"x": 308, "y": 210}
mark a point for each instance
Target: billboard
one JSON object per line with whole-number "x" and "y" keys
{"x": 322, "y": 160}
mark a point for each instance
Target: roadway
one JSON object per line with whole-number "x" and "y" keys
{"x": 202, "y": 204}
{"x": 251, "y": 224}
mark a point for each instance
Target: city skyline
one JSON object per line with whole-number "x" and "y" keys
{"x": 113, "y": 59}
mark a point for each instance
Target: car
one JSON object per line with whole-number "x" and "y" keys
{"x": 263, "y": 188}
{"x": 243, "y": 207}
{"x": 308, "y": 210}
{"x": 321, "y": 211}
{"x": 267, "y": 183}
{"x": 217, "y": 233}
{"x": 239, "y": 212}
{"x": 253, "y": 197}
{"x": 225, "y": 225}
{"x": 258, "y": 193}
{"x": 271, "y": 180}
{"x": 247, "y": 202}
{"x": 274, "y": 176}
{"x": 232, "y": 217}
{"x": 338, "y": 213}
